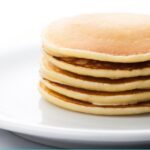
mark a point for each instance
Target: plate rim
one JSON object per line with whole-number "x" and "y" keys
{"x": 61, "y": 133}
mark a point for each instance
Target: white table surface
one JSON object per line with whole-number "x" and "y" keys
{"x": 10, "y": 140}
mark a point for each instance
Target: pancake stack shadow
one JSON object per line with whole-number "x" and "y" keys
{"x": 96, "y": 84}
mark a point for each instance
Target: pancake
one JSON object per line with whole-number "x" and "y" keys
{"x": 94, "y": 64}
{"x": 101, "y": 69}
{"x": 114, "y": 37}
{"x": 99, "y": 97}
{"x": 85, "y": 107}
{"x": 50, "y": 72}
{"x": 98, "y": 64}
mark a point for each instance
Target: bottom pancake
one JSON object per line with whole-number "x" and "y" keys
{"x": 85, "y": 107}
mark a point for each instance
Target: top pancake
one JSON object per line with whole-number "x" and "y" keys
{"x": 105, "y": 37}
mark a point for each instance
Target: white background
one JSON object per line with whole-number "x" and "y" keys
{"x": 21, "y": 18}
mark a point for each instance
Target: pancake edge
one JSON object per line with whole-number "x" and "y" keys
{"x": 68, "y": 52}
{"x": 112, "y": 74}
{"x": 79, "y": 83}
{"x": 99, "y": 99}
{"x": 93, "y": 110}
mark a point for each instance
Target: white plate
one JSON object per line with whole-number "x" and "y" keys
{"x": 23, "y": 110}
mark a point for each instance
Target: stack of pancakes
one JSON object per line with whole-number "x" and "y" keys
{"x": 98, "y": 64}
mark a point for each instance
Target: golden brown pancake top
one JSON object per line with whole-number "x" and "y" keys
{"x": 114, "y": 34}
